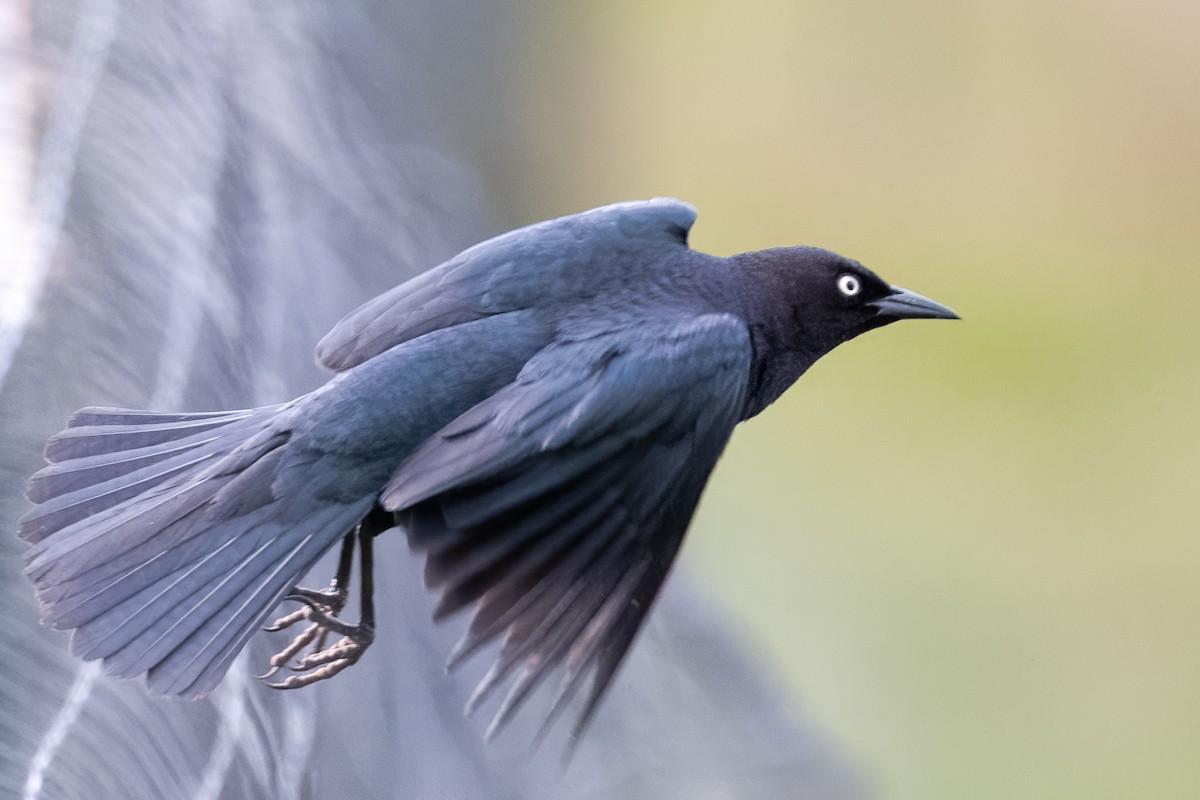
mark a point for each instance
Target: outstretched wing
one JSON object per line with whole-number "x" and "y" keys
{"x": 557, "y": 506}
{"x": 540, "y": 264}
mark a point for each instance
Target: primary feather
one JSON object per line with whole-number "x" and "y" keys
{"x": 558, "y": 504}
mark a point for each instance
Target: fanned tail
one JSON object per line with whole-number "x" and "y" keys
{"x": 159, "y": 538}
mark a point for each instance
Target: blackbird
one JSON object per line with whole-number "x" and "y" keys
{"x": 539, "y": 415}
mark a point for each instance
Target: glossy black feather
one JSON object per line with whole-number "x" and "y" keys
{"x": 550, "y": 505}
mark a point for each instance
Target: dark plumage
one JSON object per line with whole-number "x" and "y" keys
{"x": 540, "y": 413}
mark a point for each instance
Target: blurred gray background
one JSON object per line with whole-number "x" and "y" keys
{"x": 191, "y": 195}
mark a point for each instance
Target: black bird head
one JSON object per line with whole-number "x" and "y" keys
{"x": 801, "y": 302}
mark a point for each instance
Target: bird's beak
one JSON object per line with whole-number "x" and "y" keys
{"x": 903, "y": 304}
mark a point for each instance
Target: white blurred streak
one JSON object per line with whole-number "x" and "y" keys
{"x": 34, "y": 236}
{"x": 80, "y": 691}
{"x": 231, "y": 705}
{"x": 276, "y": 752}
{"x": 15, "y": 144}
{"x": 31, "y": 235}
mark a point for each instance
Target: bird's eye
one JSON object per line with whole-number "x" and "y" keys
{"x": 849, "y": 285}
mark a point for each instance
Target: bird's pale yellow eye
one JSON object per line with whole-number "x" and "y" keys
{"x": 849, "y": 285}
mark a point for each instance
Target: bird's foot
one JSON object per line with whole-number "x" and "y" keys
{"x": 319, "y": 609}
{"x": 329, "y": 601}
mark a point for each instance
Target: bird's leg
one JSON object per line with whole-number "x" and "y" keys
{"x": 330, "y": 601}
{"x": 325, "y": 663}
{"x": 320, "y": 608}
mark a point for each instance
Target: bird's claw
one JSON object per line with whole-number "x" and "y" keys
{"x": 287, "y": 620}
{"x": 306, "y": 637}
{"x": 319, "y": 608}
{"x": 321, "y": 664}
{"x": 320, "y": 614}
{"x": 333, "y": 598}
{"x": 328, "y": 601}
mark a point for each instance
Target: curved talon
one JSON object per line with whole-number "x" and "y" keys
{"x": 291, "y": 682}
{"x": 288, "y": 620}
{"x": 304, "y": 639}
{"x": 349, "y": 648}
{"x": 332, "y": 597}
{"x": 300, "y": 681}
{"x": 303, "y": 598}
{"x": 322, "y": 662}
{"x": 320, "y": 609}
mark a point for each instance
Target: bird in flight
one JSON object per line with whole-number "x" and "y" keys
{"x": 539, "y": 415}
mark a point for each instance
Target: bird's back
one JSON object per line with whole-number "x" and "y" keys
{"x": 552, "y": 266}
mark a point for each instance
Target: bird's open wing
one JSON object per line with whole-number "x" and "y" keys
{"x": 539, "y": 265}
{"x": 557, "y": 506}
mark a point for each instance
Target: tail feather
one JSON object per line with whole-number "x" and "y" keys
{"x": 205, "y": 637}
{"x": 68, "y": 477}
{"x": 100, "y": 546}
{"x": 87, "y": 569}
{"x": 76, "y": 474}
{"x": 160, "y": 539}
{"x": 198, "y": 663}
{"x": 151, "y": 623}
{"x": 164, "y": 615}
{"x": 121, "y": 465}
{"x": 108, "y": 415}
{"x": 66, "y": 509}
{"x": 115, "y": 623}
{"x": 105, "y": 435}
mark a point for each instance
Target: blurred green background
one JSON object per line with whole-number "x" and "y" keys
{"x": 972, "y": 548}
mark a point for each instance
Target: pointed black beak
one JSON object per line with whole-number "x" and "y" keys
{"x": 903, "y": 304}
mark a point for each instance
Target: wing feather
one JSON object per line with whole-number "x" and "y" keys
{"x": 534, "y": 266}
{"x": 557, "y": 505}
